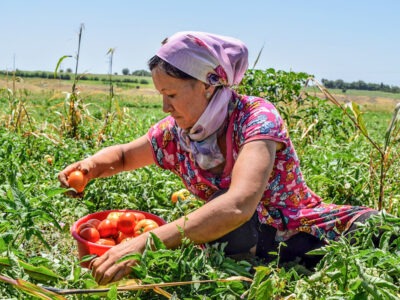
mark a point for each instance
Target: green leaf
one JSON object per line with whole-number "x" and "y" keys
{"x": 112, "y": 293}
{"x": 158, "y": 244}
{"x": 59, "y": 63}
{"x": 39, "y": 273}
{"x": 55, "y": 191}
{"x": 358, "y": 115}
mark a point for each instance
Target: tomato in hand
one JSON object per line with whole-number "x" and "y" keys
{"x": 144, "y": 226}
{"x": 77, "y": 180}
{"x": 90, "y": 234}
{"x": 127, "y": 222}
{"x": 108, "y": 228}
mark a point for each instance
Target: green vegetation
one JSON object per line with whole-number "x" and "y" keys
{"x": 349, "y": 155}
{"x": 341, "y": 152}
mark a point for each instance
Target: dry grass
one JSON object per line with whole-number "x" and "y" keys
{"x": 370, "y": 102}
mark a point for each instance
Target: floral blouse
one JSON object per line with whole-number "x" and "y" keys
{"x": 287, "y": 204}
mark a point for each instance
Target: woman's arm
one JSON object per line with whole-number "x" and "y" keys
{"x": 112, "y": 160}
{"x": 209, "y": 222}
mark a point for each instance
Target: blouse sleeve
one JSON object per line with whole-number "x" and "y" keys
{"x": 259, "y": 119}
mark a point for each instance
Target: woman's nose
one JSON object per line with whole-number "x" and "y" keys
{"x": 166, "y": 105}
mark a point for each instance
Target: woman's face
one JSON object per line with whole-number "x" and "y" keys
{"x": 184, "y": 100}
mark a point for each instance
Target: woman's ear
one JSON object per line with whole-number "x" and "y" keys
{"x": 209, "y": 89}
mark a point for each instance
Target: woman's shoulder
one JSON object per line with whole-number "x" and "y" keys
{"x": 246, "y": 102}
{"x": 249, "y": 107}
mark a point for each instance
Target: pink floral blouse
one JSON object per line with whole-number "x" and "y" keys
{"x": 288, "y": 204}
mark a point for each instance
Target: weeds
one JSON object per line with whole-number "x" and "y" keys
{"x": 384, "y": 152}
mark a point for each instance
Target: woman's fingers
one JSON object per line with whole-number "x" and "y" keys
{"x": 63, "y": 176}
{"x": 104, "y": 270}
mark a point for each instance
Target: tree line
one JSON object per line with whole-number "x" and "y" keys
{"x": 359, "y": 85}
{"x": 68, "y": 76}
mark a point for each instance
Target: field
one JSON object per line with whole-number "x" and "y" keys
{"x": 350, "y": 154}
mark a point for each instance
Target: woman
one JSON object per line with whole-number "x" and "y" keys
{"x": 232, "y": 151}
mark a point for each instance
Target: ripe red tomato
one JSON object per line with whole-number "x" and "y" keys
{"x": 108, "y": 228}
{"x": 123, "y": 236}
{"x": 83, "y": 226}
{"x": 114, "y": 215}
{"x": 106, "y": 242}
{"x": 144, "y": 226}
{"x": 90, "y": 234}
{"x": 77, "y": 180}
{"x": 94, "y": 222}
{"x": 139, "y": 216}
{"x": 127, "y": 222}
{"x": 126, "y": 239}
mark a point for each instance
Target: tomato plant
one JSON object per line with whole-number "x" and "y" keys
{"x": 77, "y": 180}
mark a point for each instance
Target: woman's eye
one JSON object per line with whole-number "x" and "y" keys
{"x": 170, "y": 96}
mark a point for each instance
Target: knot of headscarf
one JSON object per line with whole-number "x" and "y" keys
{"x": 215, "y": 60}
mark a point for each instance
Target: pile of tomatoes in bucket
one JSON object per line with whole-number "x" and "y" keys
{"x": 118, "y": 227}
{"x": 98, "y": 232}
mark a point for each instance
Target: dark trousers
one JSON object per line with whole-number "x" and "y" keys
{"x": 252, "y": 233}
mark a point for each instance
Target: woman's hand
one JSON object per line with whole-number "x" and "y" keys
{"x": 85, "y": 166}
{"x": 105, "y": 268}
{"x": 112, "y": 160}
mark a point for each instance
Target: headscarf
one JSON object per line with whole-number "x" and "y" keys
{"x": 218, "y": 61}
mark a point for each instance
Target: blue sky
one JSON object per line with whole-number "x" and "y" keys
{"x": 343, "y": 39}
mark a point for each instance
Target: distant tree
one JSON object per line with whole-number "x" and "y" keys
{"x": 141, "y": 73}
{"x": 69, "y": 70}
{"x": 125, "y": 71}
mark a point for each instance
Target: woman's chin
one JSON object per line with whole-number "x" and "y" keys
{"x": 182, "y": 125}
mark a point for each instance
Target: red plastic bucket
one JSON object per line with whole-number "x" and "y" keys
{"x": 88, "y": 248}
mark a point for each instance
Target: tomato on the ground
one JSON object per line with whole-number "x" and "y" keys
{"x": 180, "y": 195}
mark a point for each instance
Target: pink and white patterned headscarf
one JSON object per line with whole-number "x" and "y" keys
{"x": 216, "y": 60}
